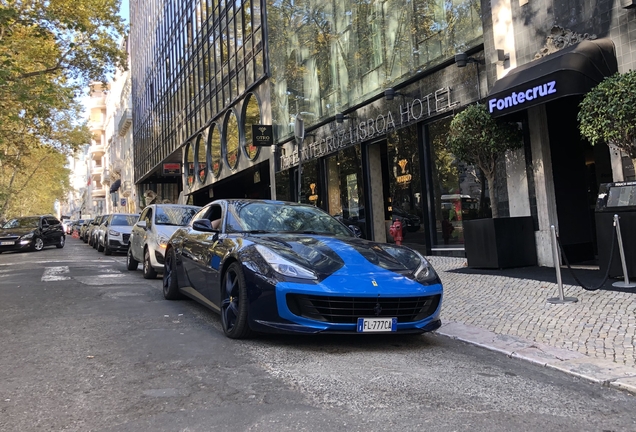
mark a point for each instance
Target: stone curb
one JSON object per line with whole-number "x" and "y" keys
{"x": 604, "y": 372}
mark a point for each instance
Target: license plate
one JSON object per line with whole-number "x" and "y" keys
{"x": 377, "y": 325}
{"x": 7, "y": 243}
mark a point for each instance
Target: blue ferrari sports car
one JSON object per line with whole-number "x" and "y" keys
{"x": 273, "y": 266}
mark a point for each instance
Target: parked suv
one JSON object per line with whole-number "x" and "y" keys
{"x": 151, "y": 233}
{"x": 31, "y": 233}
{"x": 115, "y": 233}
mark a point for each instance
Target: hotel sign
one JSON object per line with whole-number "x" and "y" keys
{"x": 521, "y": 97}
{"x": 262, "y": 135}
{"x": 407, "y": 113}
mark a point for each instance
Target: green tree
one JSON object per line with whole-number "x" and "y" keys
{"x": 49, "y": 52}
{"x": 479, "y": 139}
{"x": 608, "y": 113}
{"x": 35, "y": 190}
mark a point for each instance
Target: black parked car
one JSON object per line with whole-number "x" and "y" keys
{"x": 31, "y": 233}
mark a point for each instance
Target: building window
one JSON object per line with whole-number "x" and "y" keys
{"x": 202, "y": 160}
{"x": 214, "y": 147}
{"x": 189, "y": 164}
{"x": 251, "y": 116}
{"x": 231, "y": 134}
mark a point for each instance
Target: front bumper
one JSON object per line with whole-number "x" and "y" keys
{"x": 270, "y": 312}
{"x": 117, "y": 245}
{"x": 17, "y": 245}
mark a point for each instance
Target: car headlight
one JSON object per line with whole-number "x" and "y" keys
{"x": 163, "y": 242}
{"x": 114, "y": 233}
{"x": 27, "y": 236}
{"x": 284, "y": 266}
{"x": 425, "y": 271}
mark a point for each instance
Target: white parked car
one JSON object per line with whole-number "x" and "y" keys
{"x": 115, "y": 234}
{"x": 151, "y": 233}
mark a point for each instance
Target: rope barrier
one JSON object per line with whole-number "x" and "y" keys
{"x": 581, "y": 284}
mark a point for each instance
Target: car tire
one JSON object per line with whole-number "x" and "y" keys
{"x": 107, "y": 250}
{"x": 234, "y": 304}
{"x": 37, "y": 244}
{"x": 149, "y": 272}
{"x": 100, "y": 248}
{"x": 170, "y": 277}
{"x": 131, "y": 262}
{"x": 94, "y": 243}
{"x": 61, "y": 242}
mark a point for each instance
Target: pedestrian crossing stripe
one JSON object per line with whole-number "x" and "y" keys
{"x": 55, "y": 274}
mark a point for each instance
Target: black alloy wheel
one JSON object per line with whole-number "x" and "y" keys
{"x": 100, "y": 248}
{"x": 61, "y": 242}
{"x": 234, "y": 304}
{"x": 170, "y": 277}
{"x": 149, "y": 272}
{"x": 37, "y": 244}
{"x": 131, "y": 263}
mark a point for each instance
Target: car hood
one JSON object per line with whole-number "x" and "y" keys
{"x": 124, "y": 229}
{"x": 10, "y": 232}
{"x": 348, "y": 256}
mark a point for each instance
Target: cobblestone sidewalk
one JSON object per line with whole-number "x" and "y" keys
{"x": 601, "y": 325}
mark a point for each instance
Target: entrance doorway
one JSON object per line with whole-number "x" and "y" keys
{"x": 577, "y": 170}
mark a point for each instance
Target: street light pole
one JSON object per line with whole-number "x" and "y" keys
{"x": 299, "y": 133}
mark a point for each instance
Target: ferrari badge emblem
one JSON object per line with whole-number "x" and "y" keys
{"x": 373, "y": 282}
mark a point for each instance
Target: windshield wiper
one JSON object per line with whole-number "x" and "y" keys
{"x": 256, "y": 232}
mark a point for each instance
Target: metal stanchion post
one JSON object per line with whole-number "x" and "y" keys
{"x": 557, "y": 265}
{"x": 625, "y": 283}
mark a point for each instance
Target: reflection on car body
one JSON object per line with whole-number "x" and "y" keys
{"x": 273, "y": 266}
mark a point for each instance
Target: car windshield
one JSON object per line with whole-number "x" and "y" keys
{"x": 124, "y": 219}
{"x": 174, "y": 215}
{"x": 28, "y": 222}
{"x": 277, "y": 217}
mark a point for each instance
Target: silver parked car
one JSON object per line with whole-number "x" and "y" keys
{"x": 116, "y": 233}
{"x": 151, "y": 233}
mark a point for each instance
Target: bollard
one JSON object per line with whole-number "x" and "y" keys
{"x": 625, "y": 283}
{"x": 557, "y": 265}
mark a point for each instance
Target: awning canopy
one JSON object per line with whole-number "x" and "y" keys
{"x": 571, "y": 71}
{"x": 115, "y": 186}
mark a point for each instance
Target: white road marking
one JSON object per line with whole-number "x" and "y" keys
{"x": 55, "y": 274}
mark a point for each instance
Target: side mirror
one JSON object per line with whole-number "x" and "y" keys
{"x": 203, "y": 225}
{"x": 356, "y": 230}
{"x": 141, "y": 224}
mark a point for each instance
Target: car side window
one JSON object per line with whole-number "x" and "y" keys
{"x": 215, "y": 216}
{"x": 148, "y": 218}
{"x": 45, "y": 223}
{"x": 200, "y": 215}
{"x": 52, "y": 221}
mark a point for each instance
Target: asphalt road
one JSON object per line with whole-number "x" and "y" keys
{"x": 86, "y": 345}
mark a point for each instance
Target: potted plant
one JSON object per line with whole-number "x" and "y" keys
{"x": 608, "y": 112}
{"x": 477, "y": 138}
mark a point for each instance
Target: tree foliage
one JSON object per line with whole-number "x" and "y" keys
{"x": 477, "y": 138}
{"x": 50, "y": 50}
{"x": 34, "y": 190}
{"x": 608, "y": 113}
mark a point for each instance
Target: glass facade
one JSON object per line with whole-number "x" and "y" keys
{"x": 459, "y": 191}
{"x": 192, "y": 60}
{"x": 327, "y": 56}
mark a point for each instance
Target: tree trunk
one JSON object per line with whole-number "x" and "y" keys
{"x": 493, "y": 197}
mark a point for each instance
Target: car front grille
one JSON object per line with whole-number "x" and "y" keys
{"x": 9, "y": 238}
{"x": 126, "y": 237}
{"x": 347, "y": 310}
